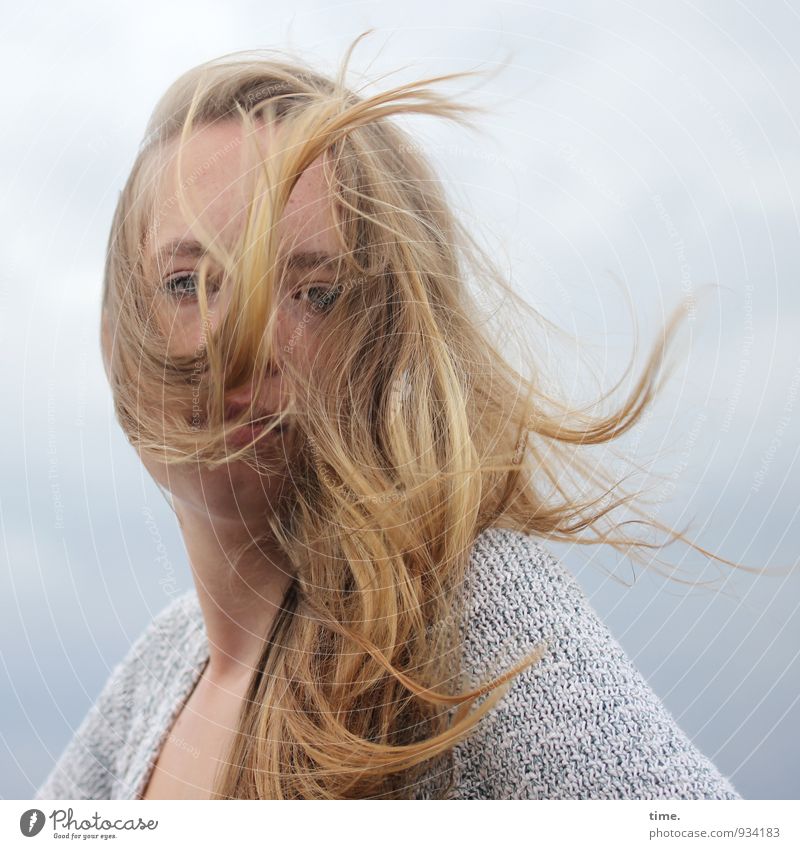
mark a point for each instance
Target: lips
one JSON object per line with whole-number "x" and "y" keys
{"x": 247, "y": 433}
{"x": 252, "y": 430}
{"x": 234, "y": 408}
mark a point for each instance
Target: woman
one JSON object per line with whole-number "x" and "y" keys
{"x": 361, "y": 479}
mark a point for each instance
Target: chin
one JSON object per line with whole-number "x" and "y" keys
{"x": 234, "y": 490}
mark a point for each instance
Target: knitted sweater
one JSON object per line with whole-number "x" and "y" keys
{"x": 581, "y": 723}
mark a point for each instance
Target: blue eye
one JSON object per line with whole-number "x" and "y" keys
{"x": 321, "y": 297}
{"x": 177, "y": 286}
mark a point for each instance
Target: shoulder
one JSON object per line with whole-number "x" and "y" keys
{"x": 582, "y": 722}
{"x": 163, "y": 640}
{"x": 105, "y": 740}
{"x": 167, "y": 643}
{"x": 516, "y": 594}
{"x": 180, "y": 615}
{"x": 499, "y": 553}
{"x": 506, "y": 565}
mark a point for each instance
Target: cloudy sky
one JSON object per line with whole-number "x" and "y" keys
{"x": 633, "y": 155}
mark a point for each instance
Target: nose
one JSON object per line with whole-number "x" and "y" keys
{"x": 239, "y": 399}
{"x": 267, "y": 392}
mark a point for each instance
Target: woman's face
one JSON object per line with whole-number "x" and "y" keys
{"x": 217, "y": 179}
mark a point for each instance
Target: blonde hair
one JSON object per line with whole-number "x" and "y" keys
{"x": 416, "y": 437}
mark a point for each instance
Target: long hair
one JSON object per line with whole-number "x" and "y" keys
{"x": 416, "y": 436}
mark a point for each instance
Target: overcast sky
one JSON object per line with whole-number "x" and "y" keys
{"x": 634, "y": 155}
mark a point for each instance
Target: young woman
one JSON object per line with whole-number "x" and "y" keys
{"x": 362, "y": 481}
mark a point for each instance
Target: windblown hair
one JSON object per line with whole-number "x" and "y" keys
{"x": 416, "y": 436}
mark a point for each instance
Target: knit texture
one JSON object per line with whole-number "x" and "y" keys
{"x": 581, "y": 723}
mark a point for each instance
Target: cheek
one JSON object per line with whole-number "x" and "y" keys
{"x": 183, "y": 329}
{"x": 298, "y": 336}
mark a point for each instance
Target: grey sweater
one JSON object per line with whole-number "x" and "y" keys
{"x": 581, "y": 723}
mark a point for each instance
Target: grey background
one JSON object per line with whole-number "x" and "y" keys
{"x": 634, "y": 155}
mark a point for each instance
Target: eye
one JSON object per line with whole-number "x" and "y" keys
{"x": 321, "y": 296}
{"x": 185, "y": 285}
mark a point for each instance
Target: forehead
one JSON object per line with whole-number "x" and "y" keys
{"x": 217, "y": 172}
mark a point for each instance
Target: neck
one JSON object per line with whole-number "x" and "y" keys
{"x": 239, "y": 600}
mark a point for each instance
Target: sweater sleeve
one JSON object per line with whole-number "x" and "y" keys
{"x": 581, "y": 723}
{"x": 91, "y": 760}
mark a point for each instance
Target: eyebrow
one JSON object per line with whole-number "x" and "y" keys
{"x": 192, "y": 249}
{"x": 179, "y": 248}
